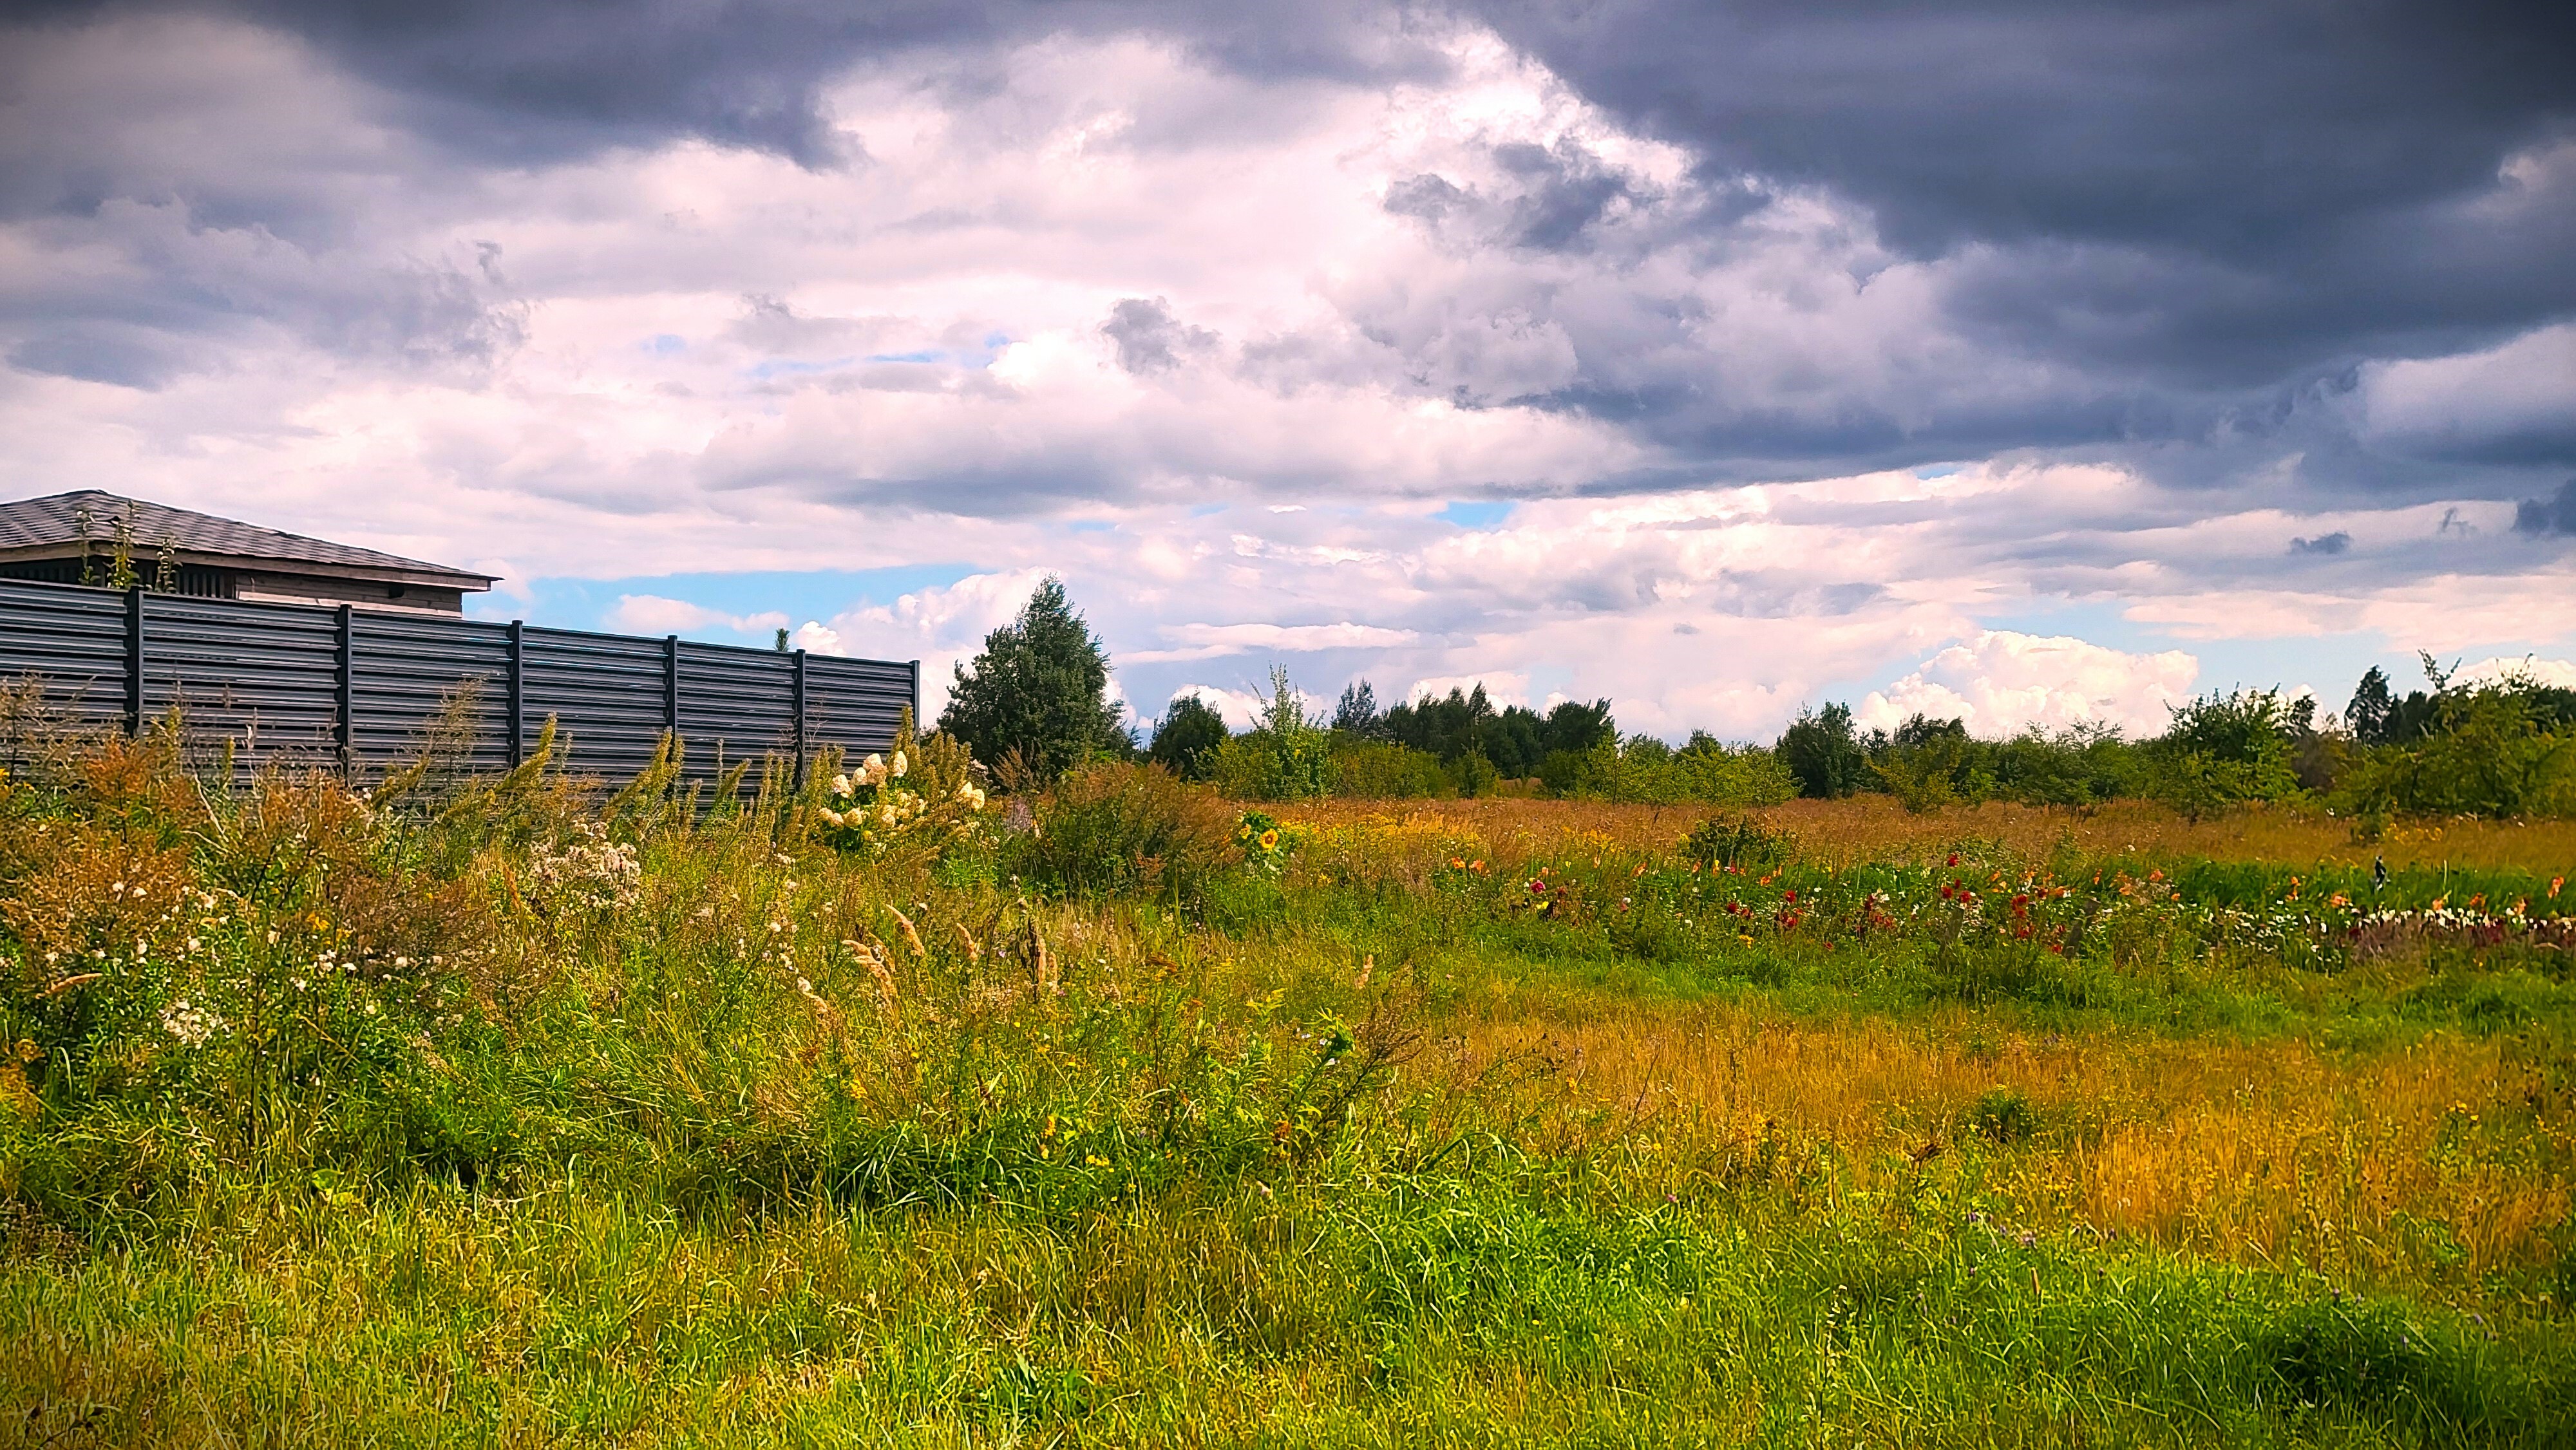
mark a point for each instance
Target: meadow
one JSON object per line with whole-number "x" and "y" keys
{"x": 519, "y": 1111}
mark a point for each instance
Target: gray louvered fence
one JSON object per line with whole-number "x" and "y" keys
{"x": 362, "y": 689}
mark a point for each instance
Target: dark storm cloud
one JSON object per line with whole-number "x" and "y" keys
{"x": 2164, "y": 231}
{"x": 2542, "y": 517}
{"x": 2191, "y": 195}
{"x": 544, "y": 79}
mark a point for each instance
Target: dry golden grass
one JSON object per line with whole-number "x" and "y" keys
{"x": 1876, "y": 827}
{"x": 2433, "y": 1162}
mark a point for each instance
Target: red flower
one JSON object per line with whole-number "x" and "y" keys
{"x": 1792, "y": 896}
{"x": 1954, "y": 858}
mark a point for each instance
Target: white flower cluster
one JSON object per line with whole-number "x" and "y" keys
{"x": 593, "y": 871}
{"x": 888, "y": 807}
{"x": 190, "y": 1024}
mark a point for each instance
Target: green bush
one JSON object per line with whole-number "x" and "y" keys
{"x": 1719, "y": 842}
{"x": 1376, "y": 770}
{"x": 2489, "y": 752}
{"x": 1287, "y": 757}
{"x": 1113, "y": 827}
{"x": 1822, "y": 752}
{"x": 2223, "y": 751}
{"x": 2004, "y": 1115}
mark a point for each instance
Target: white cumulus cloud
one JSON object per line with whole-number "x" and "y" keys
{"x": 2001, "y": 682}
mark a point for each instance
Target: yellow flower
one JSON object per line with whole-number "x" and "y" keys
{"x": 1270, "y": 840}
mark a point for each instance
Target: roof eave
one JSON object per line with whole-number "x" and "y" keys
{"x": 144, "y": 560}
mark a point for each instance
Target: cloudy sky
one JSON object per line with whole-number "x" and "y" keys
{"x": 2026, "y": 361}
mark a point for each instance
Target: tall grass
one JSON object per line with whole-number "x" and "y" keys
{"x": 514, "y": 1112}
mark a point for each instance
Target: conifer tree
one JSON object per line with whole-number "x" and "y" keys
{"x": 1039, "y": 691}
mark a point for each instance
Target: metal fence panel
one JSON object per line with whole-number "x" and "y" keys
{"x": 413, "y": 675}
{"x": 72, "y": 642}
{"x": 263, "y": 676}
{"x": 735, "y": 704}
{"x": 367, "y": 689}
{"x": 856, "y": 704}
{"x": 604, "y": 693}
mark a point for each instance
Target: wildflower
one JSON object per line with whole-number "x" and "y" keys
{"x": 1954, "y": 858}
{"x": 1270, "y": 840}
{"x": 192, "y": 1025}
{"x": 841, "y": 784}
{"x": 897, "y": 766}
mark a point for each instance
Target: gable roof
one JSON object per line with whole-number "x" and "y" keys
{"x": 43, "y": 527}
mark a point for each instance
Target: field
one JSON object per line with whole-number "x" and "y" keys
{"x": 507, "y": 1113}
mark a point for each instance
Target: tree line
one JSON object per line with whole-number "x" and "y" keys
{"x": 1035, "y": 703}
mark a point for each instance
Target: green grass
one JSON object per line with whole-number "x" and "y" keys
{"x": 463, "y": 1139}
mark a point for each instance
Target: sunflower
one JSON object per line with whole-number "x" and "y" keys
{"x": 1270, "y": 840}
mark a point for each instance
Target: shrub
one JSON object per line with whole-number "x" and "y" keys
{"x": 1713, "y": 774}
{"x": 1720, "y": 842}
{"x": 1374, "y": 770}
{"x": 925, "y": 796}
{"x": 1287, "y": 757}
{"x": 2003, "y": 1115}
{"x": 2489, "y": 751}
{"x": 1115, "y": 827}
{"x": 2223, "y": 751}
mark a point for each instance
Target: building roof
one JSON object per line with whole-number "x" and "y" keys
{"x": 42, "y": 527}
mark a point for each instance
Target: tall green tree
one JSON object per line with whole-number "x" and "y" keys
{"x": 1188, "y": 737}
{"x": 1039, "y": 692}
{"x": 1823, "y": 752}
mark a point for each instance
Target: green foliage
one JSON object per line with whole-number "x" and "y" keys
{"x": 1036, "y": 699}
{"x": 2221, "y": 751}
{"x": 2004, "y": 1116}
{"x": 1382, "y": 770}
{"x": 1645, "y": 770}
{"x": 2080, "y": 766}
{"x": 1514, "y": 741}
{"x": 1186, "y": 740}
{"x": 1929, "y": 764}
{"x": 1719, "y": 842}
{"x": 2491, "y": 750}
{"x": 687, "y": 1130}
{"x": 1113, "y": 827}
{"x": 1286, "y": 757}
{"x": 1822, "y": 753}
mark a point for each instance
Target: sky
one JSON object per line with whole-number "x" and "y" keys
{"x": 2034, "y": 363}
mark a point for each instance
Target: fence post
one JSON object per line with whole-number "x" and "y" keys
{"x": 671, "y": 685}
{"x": 345, "y": 731}
{"x": 134, "y": 662}
{"x": 518, "y": 694}
{"x": 796, "y": 690}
